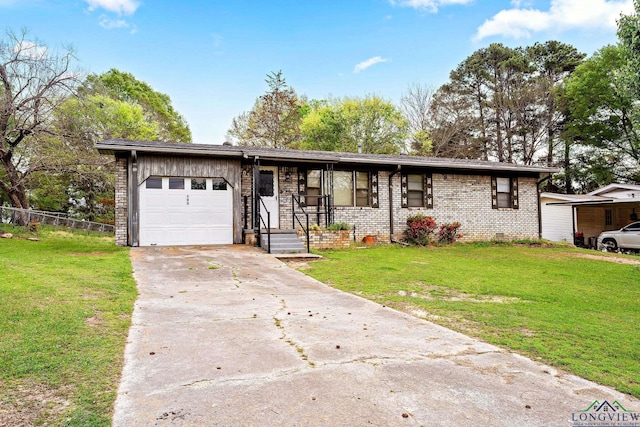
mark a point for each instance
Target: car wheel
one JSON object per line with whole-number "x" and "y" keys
{"x": 610, "y": 245}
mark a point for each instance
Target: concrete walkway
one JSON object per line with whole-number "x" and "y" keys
{"x": 230, "y": 336}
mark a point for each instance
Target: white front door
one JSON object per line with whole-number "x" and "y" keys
{"x": 268, "y": 190}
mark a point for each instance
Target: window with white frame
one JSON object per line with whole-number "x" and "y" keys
{"x": 362, "y": 188}
{"x": 415, "y": 191}
{"x": 349, "y": 188}
{"x": 343, "y": 188}
{"x": 314, "y": 187}
{"x": 504, "y": 192}
{"x": 503, "y": 188}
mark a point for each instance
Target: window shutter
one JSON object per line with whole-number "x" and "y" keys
{"x": 428, "y": 191}
{"x": 302, "y": 186}
{"x": 514, "y": 193}
{"x": 375, "y": 202}
{"x": 494, "y": 192}
{"x": 404, "y": 190}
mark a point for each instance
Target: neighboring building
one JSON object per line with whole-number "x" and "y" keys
{"x": 608, "y": 208}
{"x": 180, "y": 194}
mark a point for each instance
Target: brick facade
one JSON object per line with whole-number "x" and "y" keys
{"x": 325, "y": 239}
{"x": 246, "y": 180}
{"x": 456, "y": 197}
{"x": 466, "y": 191}
{"x": 121, "y": 201}
{"x": 467, "y": 199}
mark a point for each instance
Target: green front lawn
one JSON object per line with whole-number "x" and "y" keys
{"x": 65, "y": 309}
{"x": 548, "y": 303}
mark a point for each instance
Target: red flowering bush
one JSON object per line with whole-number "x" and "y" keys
{"x": 448, "y": 233}
{"x": 420, "y": 230}
{"x": 423, "y": 230}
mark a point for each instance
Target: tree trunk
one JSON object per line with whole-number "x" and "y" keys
{"x": 15, "y": 190}
{"x": 568, "y": 187}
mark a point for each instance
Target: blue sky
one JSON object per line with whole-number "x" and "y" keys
{"x": 212, "y": 56}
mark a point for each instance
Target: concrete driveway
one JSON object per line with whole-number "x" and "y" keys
{"x": 230, "y": 336}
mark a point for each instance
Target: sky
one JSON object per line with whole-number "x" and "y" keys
{"x": 212, "y": 56}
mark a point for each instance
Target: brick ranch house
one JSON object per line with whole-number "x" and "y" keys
{"x": 183, "y": 194}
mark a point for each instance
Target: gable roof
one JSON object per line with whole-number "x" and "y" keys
{"x": 578, "y": 198}
{"x": 626, "y": 188}
{"x": 607, "y": 195}
{"x": 113, "y": 146}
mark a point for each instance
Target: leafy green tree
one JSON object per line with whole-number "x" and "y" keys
{"x": 157, "y": 109}
{"x": 110, "y": 105}
{"x": 370, "y": 124}
{"x": 503, "y": 104}
{"x": 553, "y": 63}
{"x": 274, "y": 120}
{"x": 629, "y": 36}
{"x": 602, "y": 121}
{"x": 481, "y": 83}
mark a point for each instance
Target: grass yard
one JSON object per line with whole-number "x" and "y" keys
{"x": 65, "y": 309}
{"x": 549, "y": 303}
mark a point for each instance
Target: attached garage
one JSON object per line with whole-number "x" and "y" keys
{"x": 176, "y": 194}
{"x": 185, "y": 211}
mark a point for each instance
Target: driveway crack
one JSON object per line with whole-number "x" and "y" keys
{"x": 299, "y": 350}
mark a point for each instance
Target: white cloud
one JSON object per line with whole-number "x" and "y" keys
{"x": 121, "y": 7}
{"x": 111, "y": 24}
{"x": 562, "y": 15}
{"x": 368, "y": 63}
{"x": 430, "y": 5}
{"x": 30, "y": 50}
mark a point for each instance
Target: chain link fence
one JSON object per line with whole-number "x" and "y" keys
{"x": 20, "y": 217}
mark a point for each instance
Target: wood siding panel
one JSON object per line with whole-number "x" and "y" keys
{"x": 590, "y": 221}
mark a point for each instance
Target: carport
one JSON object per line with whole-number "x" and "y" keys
{"x": 592, "y": 216}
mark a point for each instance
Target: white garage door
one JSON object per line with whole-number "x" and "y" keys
{"x": 185, "y": 211}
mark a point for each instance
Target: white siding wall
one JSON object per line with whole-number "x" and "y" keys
{"x": 557, "y": 224}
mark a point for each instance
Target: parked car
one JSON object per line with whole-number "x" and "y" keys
{"x": 628, "y": 237}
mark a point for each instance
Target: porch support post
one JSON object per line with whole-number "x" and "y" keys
{"x": 133, "y": 208}
{"x": 256, "y": 194}
{"x": 574, "y": 214}
{"x": 391, "y": 230}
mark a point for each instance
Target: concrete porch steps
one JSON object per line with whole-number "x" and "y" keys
{"x": 283, "y": 241}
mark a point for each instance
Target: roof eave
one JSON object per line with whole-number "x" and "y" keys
{"x": 114, "y": 146}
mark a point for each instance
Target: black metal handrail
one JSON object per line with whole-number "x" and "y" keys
{"x": 322, "y": 206}
{"x": 295, "y": 201}
{"x": 267, "y": 225}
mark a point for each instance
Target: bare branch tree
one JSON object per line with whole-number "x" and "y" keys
{"x": 415, "y": 104}
{"x": 34, "y": 81}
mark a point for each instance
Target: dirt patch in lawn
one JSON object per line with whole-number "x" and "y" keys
{"x": 617, "y": 260}
{"x": 439, "y": 293}
{"x": 297, "y": 264}
{"x": 28, "y": 404}
{"x": 459, "y": 324}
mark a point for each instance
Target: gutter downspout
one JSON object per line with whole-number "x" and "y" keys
{"x": 540, "y": 204}
{"x": 391, "y": 203}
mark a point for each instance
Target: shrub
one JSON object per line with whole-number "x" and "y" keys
{"x": 420, "y": 229}
{"x": 339, "y": 226}
{"x": 448, "y": 233}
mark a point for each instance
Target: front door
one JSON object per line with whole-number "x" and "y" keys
{"x": 268, "y": 190}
